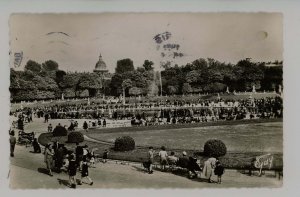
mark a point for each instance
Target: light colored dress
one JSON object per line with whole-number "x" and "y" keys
{"x": 209, "y": 166}
{"x": 49, "y": 158}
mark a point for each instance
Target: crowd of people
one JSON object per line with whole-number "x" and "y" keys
{"x": 175, "y": 112}
{"x": 60, "y": 159}
{"x": 190, "y": 163}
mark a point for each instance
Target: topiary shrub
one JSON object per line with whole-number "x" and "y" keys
{"x": 60, "y": 131}
{"x": 214, "y": 148}
{"x": 124, "y": 143}
{"x": 75, "y": 136}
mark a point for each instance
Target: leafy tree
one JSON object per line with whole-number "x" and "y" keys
{"x": 124, "y": 65}
{"x": 214, "y": 87}
{"x": 69, "y": 80}
{"x": 32, "y": 66}
{"x": 272, "y": 77}
{"x": 200, "y": 64}
{"x": 116, "y": 84}
{"x": 192, "y": 76}
{"x": 127, "y": 83}
{"x": 172, "y": 90}
{"x": 140, "y": 69}
{"x": 214, "y": 75}
{"x": 186, "y": 88}
{"x": 135, "y": 91}
{"x": 44, "y": 83}
{"x": 247, "y": 72}
{"x": 148, "y": 65}
{"x": 83, "y": 93}
{"x": 59, "y": 74}
{"x": 89, "y": 81}
{"x": 50, "y": 65}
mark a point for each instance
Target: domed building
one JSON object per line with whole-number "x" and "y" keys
{"x": 100, "y": 67}
{"x": 102, "y": 71}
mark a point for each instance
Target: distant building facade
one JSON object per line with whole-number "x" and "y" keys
{"x": 102, "y": 71}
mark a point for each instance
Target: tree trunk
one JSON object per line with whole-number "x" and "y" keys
{"x": 123, "y": 96}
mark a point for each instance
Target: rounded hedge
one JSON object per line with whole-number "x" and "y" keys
{"x": 75, "y": 136}
{"x": 124, "y": 143}
{"x": 215, "y": 148}
{"x": 60, "y": 131}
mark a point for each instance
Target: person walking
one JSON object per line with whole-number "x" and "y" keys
{"x": 104, "y": 123}
{"x": 72, "y": 171}
{"x": 60, "y": 153}
{"x": 105, "y": 156}
{"x": 85, "y": 126}
{"x": 209, "y": 166}
{"x": 50, "y": 128}
{"x": 79, "y": 155}
{"x": 219, "y": 171}
{"x": 85, "y": 172}
{"x": 46, "y": 117}
{"x": 49, "y": 158}
{"x": 150, "y": 159}
{"x": 163, "y": 155}
{"x": 12, "y": 141}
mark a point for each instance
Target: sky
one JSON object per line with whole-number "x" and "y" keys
{"x": 75, "y": 41}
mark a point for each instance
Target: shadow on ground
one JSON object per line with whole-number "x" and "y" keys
{"x": 140, "y": 169}
{"x": 43, "y": 171}
{"x": 63, "y": 182}
{"x": 177, "y": 172}
{"x": 184, "y": 174}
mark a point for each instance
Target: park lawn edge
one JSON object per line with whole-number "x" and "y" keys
{"x": 232, "y": 160}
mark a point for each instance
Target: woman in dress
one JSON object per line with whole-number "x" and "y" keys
{"x": 49, "y": 158}
{"x": 209, "y": 166}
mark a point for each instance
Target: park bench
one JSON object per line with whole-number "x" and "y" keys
{"x": 264, "y": 163}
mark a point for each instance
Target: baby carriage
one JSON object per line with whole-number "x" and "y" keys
{"x": 25, "y": 138}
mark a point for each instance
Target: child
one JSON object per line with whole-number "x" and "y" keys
{"x": 163, "y": 158}
{"x": 91, "y": 156}
{"x": 50, "y": 128}
{"x": 105, "y": 155}
{"x": 65, "y": 163}
{"x": 219, "y": 171}
{"x": 72, "y": 171}
{"x": 85, "y": 172}
{"x": 150, "y": 156}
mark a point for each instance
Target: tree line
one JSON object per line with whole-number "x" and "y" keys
{"x": 47, "y": 81}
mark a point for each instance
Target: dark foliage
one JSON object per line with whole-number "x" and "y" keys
{"x": 200, "y": 76}
{"x": 215, "y": 148}
{"x": 75, "y": 136}
{"x": 60, "y": 131}
{"x": 124, "y": 143}
{"x": 33, "y": 66}
{"x": 124, "y": 65}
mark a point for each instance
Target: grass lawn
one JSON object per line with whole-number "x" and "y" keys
{"x": 244, "y": 140}
{"x": 242, "y": 137}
